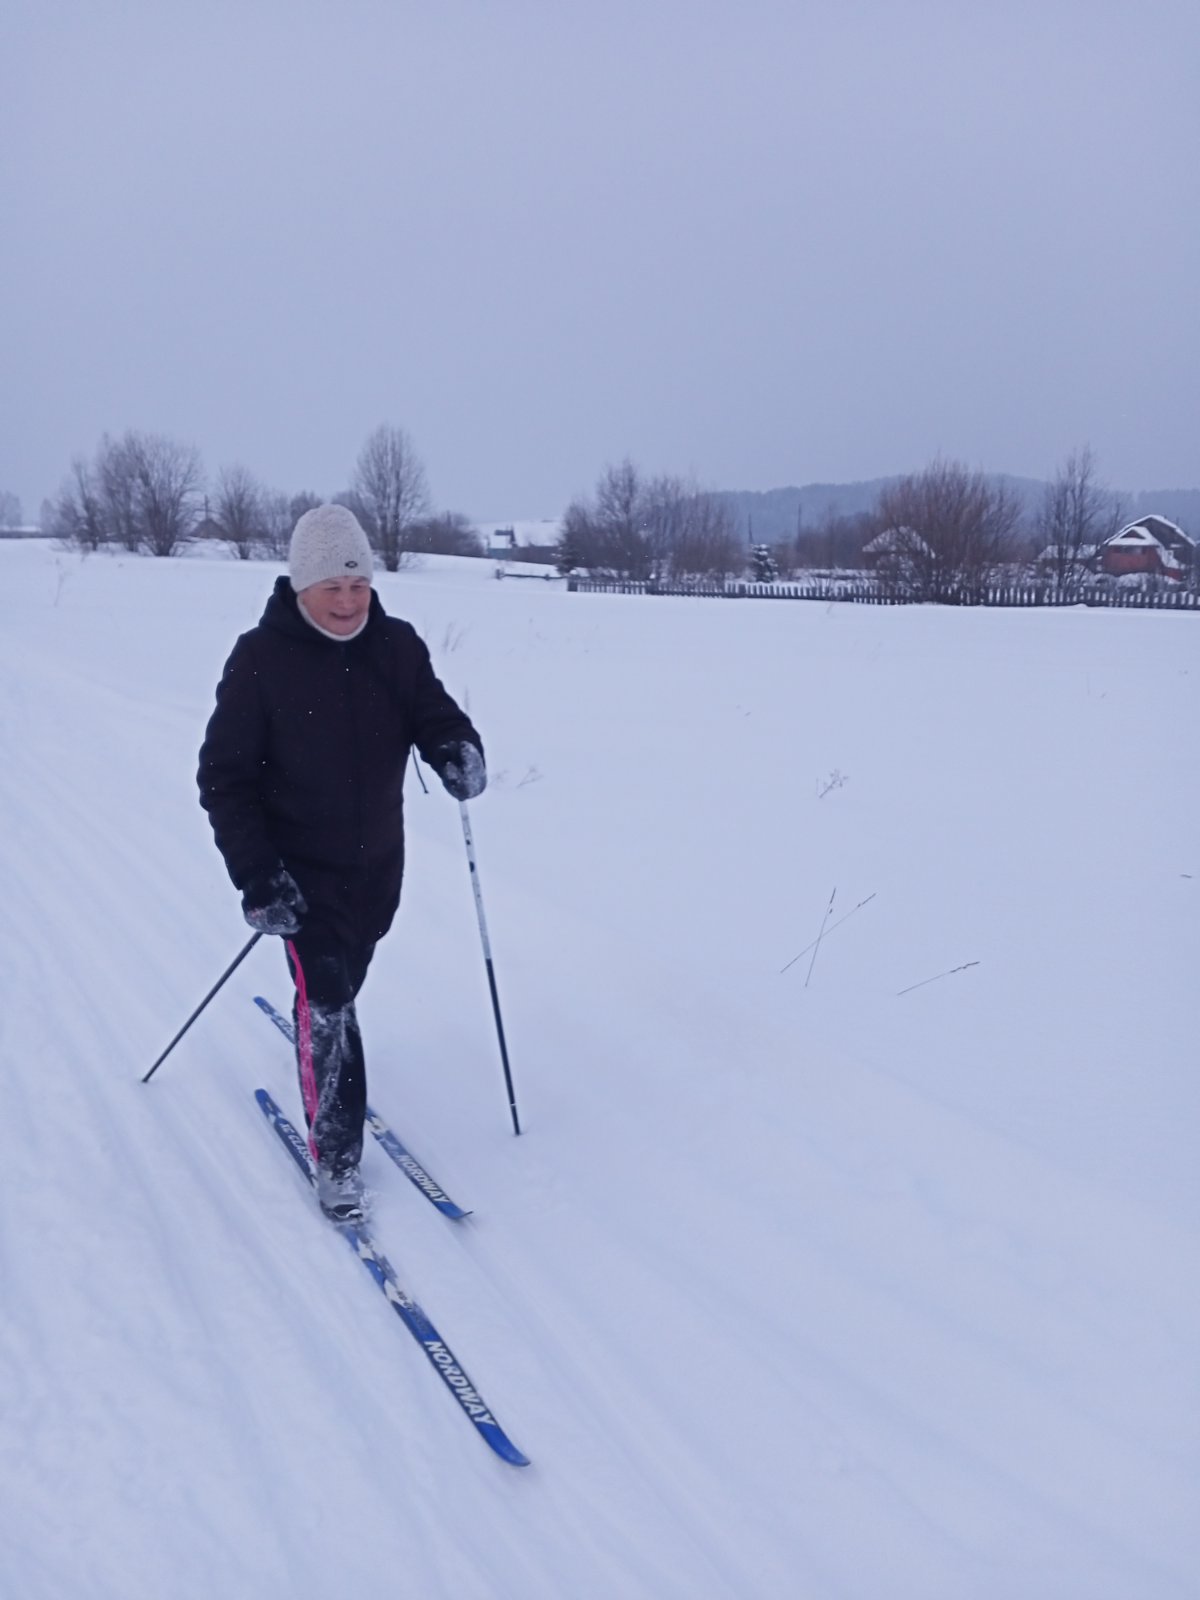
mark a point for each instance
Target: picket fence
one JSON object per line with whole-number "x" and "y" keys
{"x": 870, "y": 594}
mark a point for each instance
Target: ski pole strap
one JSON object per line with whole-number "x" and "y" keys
{"x": 308, "y": 1076}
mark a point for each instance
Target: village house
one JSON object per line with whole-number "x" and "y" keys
{"x": 896, "y": 553}
{"x": 1152, "y": 544}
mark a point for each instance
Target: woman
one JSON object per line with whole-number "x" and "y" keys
{"x": 302, "y": 775}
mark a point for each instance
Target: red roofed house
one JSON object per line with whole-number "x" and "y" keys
{"x": 1152, "y": 544}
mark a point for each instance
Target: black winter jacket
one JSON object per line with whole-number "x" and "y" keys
{"x": 304, "y": 757}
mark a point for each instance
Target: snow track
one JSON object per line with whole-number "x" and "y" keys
{"x": 785, "y": 1290}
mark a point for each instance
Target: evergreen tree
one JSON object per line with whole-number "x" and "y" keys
{"x": 762, "y": 564}
{"x": 568, "y": 551}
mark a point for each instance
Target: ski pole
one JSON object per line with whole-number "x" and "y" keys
{"x": 487, "y": 959}
{"x": 241, "y": 956}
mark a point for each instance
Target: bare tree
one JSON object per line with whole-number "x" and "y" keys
{"x": 611, "y": 534}
{"x": 621, "y": 535}
{"x": 1077, "y": 515}
{"x": 277, "y": 524}
{"x": 240, "y": 510}
{"x": 77, "y": 517}
{"x": 168, "y": 480}
{"x": 957, "y": 528}
{"x": 700, "y": 537}
{"x": 835, "y": 542}
{"x": 141, "y": 492}
{"x": 786, "y": 558}
{"x": 389, "y": 492}
{"x": 642, "y": 530}
{"x": 450, "y": 533}
{"x": 115, "y": 478}
{"x": 10, "y": 510}
{"x": 280, "y": 514}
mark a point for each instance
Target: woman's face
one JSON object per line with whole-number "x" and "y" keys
{"x": 339, "y": 605}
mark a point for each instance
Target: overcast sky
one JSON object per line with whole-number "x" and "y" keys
{"x": 761, "y": 241}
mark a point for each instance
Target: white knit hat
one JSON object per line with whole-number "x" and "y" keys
{"x": 328, "y": 542}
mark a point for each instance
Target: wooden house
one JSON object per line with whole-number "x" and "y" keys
{"x": 1152, "y": 544}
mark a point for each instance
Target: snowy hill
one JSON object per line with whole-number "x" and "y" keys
{"x": 872, "y": 1277}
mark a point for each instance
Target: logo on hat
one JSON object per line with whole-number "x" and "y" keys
{"x": 352, "y": 563}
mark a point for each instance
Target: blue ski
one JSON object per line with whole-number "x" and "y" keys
{"x": 404, "y": 1159}
{"x": 406, "y": 1308}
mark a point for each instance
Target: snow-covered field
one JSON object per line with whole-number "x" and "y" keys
{"x": 796, "y": 1285}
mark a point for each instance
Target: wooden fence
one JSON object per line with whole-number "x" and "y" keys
{"x": 873, "y": 594}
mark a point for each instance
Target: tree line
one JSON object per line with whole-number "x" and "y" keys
{"x": 147, "y": 493}
{"x": 938, "y": 533}
{"x": 646, "y": 530}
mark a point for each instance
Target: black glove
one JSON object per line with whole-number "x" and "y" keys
{"x": 272, "y": 903}
{"x": 461, "y": 769}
